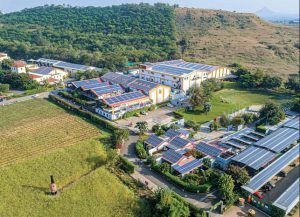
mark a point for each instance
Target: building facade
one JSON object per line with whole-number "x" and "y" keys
{"x": 179, "y": 74}
{"x": 19, "y": 67}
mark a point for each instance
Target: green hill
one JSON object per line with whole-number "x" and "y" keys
{"x": 221, "y": 37}
{"x": 112, "y": 36}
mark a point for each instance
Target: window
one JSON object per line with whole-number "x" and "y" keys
{"x": 162, "y": 75}
{"x": 163, "y": 82}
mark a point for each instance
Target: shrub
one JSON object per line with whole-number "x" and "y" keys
{"x": 140, "y": 150}
{"x": 177, "y": 115}
{"x": 249, "y": 118}
{"x": 126, "y": 165}
{"x": 237, "y": 120}
{"x": 189, "y": 124}
{"x": 224, "y": 121}
{"x": 214, "y": 126}
{"x": 261, "y": 129}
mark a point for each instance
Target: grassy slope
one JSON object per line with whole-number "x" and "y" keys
{"x": 220, "y": 37}
{"x": 99, "y": 193}
{"x": 30, "y": 128}
{"x": 233, "y": 99}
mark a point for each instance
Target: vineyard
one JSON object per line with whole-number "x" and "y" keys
{"x": 36, "y": 127}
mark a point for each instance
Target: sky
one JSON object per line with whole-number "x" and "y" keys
{"x": 282, "y": 6}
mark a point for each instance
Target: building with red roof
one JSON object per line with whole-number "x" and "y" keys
{"x": 19, "y": 67}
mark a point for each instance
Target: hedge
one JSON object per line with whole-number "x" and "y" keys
{"x": 177, "y": 115}
{"x": 138, "y": 111}
{"x": 261, "y": 129}
{"x": 140, "y": 150}
{"x": 90, "y": 116}
{"x": 126, "y": 165}
{"x": 186, "y": 186}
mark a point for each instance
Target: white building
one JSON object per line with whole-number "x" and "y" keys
{"x": 3, "y": 56}
{"x": 179, "y": 74}
{"x": 19, "y": 67}
{"x": 46, "y": 73}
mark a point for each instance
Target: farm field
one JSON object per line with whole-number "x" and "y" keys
{"x": 85, "y": 191}
{"x": 231, "y": 99}
{"x": 34, "y": 127}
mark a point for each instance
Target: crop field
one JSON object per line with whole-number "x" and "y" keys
{"x": 83, "y": 190}
{"x": 34, "y": 127}
{"x": 231, "y": 99}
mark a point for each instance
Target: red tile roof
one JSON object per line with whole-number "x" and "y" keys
{"x": 52, "y": 80}
{"x": 33, "y": 76}
{"x": 19, "y": 64}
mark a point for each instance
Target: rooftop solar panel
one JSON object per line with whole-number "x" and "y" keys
{"x": 171, "y": 133}
{"x": 43, "y": 70}
{"x": 288, "y": 200}
{"x": 279, "y": 140}
{"x": 124, "y": 98}
{"x": 154, "y": 141}
{"x": 208, "y": 149}
{"x": 72, "y": 66}
{"x": 254, "y": 157}
{"x": 294, "y": 123}
{"x": 142, "y": 85}
{"x": 172, "y": 156}
{"x": 86, "y": 83}
{"x": 171, "y": 70}
{"x": 182, "y": 169}
{"x": 189, "y": 65}
{"x": 107, "y": 89}
{"x": 266, "y": 174}
{"x": 178, "y": 143}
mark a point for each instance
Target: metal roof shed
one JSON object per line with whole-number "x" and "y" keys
{"x": 265, "y": 175}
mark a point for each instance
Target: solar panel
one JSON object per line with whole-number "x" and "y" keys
{"x": 289, "y": 198}
{"x": 254, "y": 157}
{"x": 178, "y": 143}
{"x": 172, "y": 156}
{"x": 171, "y": 133}
{"x": 279, "y": 140}
{"x": 107, "y": 89}
{"x": 43, "y": 70}
{"x": 154, "y": 141}
{"x": 266, "y": 174}
{"x": 294, "y": 123}
{"x": 143, "y": 85}
{"x": 171, "y": 70}
{"x": 208, "y": 149}
{"x": 188, "y": 166}
{"x": 189, "y": 65}
{"x": 124, "y": 97}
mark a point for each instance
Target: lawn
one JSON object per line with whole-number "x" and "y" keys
{"x": 231, "y": 99}
{"x": 34, "y": 127}
{"x": 85, "y": 191}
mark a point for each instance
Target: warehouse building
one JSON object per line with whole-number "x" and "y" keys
{"x": 179, "y": 74}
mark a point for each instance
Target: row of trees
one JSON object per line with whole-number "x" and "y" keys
{"x": 20, "y": 81}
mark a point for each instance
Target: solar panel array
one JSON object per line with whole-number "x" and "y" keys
{"x": 178, "y": 143}
{"x": 182, "y": 169}
{"x": 254, "y": 157}
{"x": 95, "y": 85}
{"x": 208, "y": 149}
{"x": 86, "y": 83}
{"x": 48, "y": 61}
{"x": 279, "y": 140}
{"x": 173, "y": 70}
{"x": 172, "y": 156}
{"x": 107, "y": 89}
{"x": 171, "y": 133}
{"x": 43, "y": 70}
{"x": 115, "y": 100}
{"x": 266, "y": 174}
{"x": 289, "y": 198}
{"x": 189, "y": 65}
{"x": 294, "y": 123}
{"x": 154, "y": 141}
{"x": 118, "y": 78}
{"x": 142, "y": 85}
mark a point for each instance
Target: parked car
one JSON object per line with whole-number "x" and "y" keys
{"x": 144, "y": 113}
{"x": 259, "y": 194}
{"x": 267, "y": 188}
{"x": 271, "y": 184}
{"x": 170, "y": 105}
{"x": 282, "y": 174}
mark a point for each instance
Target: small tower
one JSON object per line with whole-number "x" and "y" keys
{"x": 53, "y": 188}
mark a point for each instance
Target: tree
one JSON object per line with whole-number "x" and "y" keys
{"x": 4, "y": 88}
{"x": 6, "y": 64}
{"x": 120, "y": 136}
{"x": 140, "y": 150}
{"x": 293, "y": 83}
{"x": 237, "y": 121}
{"x": 214, "y": 126}
{"x": 226, "y": 186}
{"x": 174, "y": 127}
{"x": 271, "y": 82}
{"x": 155, "y": 128}
{"x": 239, "y": 175}
{"x": 183, "y": 43}
{"x": 207, "y": 107}
{"x": 249, "y": 117}
{"x": 198, "y": 96}
{"x": 142, "y": 126}
{"x": 207, "y": 162}
{"x": 167, "y": 205}
{"x": 272, "y": 113}
{"x": 224, "y": 121}
{"x": 165, "y": 167}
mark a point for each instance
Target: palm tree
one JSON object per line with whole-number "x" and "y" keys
{"x": 142, "y": 126}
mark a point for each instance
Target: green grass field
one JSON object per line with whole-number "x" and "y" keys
{"x": 39, "y": 139}
{"x": 231, "y": 99}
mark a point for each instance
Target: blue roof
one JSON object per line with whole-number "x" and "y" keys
{"x": 173, "y": 70}
{"x": 294, "y": 123}
{"x": 192, "y": 66}
{"x": 91, "y": 83}
{"x": 178, "y": 143}
{"x": 208, "y": 149}
{"x": 171, "y": 133}
{"x": 143, "y": 85}
{"x": 172, "y": 156}
{"x": 154, "y": 141}
{"x": 126, "y": 97}
{"x": 43, "y": 70}
{"x": 182, "y": 169}
{"x": 72, "y": 66}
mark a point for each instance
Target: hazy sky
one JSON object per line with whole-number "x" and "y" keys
{"x": 283, "y": 6}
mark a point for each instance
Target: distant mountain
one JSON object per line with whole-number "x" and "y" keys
{"x": 267, "y": 14}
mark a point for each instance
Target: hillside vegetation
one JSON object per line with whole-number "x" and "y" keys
{"x": 221, "y": 37}
{"x": 103, "y": 37}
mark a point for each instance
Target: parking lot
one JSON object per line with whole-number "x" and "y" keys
{"x": 159, "y": 116}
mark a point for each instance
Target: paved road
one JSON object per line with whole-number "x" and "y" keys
{"x": 24, "y": 98}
